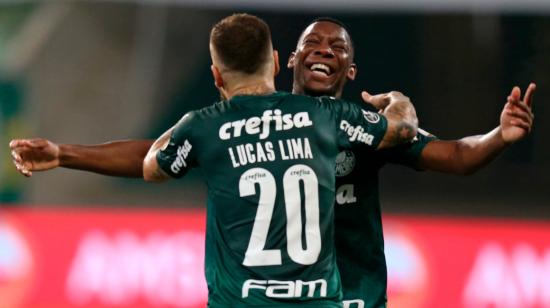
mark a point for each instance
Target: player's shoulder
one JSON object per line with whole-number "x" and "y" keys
{"x": 194, "y": 117}
{"x": 208, "y": 112}
{"x": 341, "y": 103}
{"x": 366, "y": 107}
{"x": 328, "y": 103}
{"x": 348, "y": 108}
{"x": 210, "y": 109}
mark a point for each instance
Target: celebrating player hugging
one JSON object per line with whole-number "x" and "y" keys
{"x": 268, "y": 158}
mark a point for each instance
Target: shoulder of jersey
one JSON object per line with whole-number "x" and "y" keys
{"x": 212, "y": 110}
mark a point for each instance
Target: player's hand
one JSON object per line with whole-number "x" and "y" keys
{"x": 516, "y": 119}
{"x": 381, "y": 101}
{"x": 30, "y": 155}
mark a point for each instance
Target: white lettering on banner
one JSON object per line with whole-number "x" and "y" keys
{"x": 354, "y": 303}
{"x": 181, "y": 155}
{"x": 285, "y": 289}
{"x": 502, "y": 278}
{"x": 356, "y": 133}
{"x": 164, "y": 269}
{"x": 261, "y": 125}
{"x": 345, "y": 194}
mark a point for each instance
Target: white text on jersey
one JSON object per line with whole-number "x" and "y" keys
{"x": 356, "y": 133}
{"x": 250, "y": 153}
{"x": 183, "y": 151}
{"x": 285, "y": 289}
{"x": 261, "y": 125}
{"x": 345, "y": 194}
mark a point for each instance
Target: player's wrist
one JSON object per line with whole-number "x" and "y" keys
{"x": 64, "y": 155}
{"x": 502, "y": 139}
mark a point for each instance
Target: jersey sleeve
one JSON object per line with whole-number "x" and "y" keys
{"x": 408, "y": 154}
{"x": 358, "y": 127}
{"x": 179, "y": 156}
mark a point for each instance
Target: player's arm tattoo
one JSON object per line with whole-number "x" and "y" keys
{"x": 402, "y": 122}
{"x": 404, "y": 133}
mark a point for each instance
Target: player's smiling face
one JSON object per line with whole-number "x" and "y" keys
{"x": 323, "y": 60}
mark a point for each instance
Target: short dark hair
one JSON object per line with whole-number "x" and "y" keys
{"x": 336, "y": 22}
{"x": 242, "y": 42}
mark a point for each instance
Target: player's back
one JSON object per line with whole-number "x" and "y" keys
{"x": 269, "y": 165}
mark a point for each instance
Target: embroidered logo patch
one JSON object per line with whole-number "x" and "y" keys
{"x": 345, "y": 162}
{"x": 371, "y": 116}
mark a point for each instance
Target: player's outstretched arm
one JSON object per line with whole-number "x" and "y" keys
{"x": 118, "y": 158}
{"x": 152, "y": 172}
{"x": 401, "y": 116}
{"x": 469, "y": 154}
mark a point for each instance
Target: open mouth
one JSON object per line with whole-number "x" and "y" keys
{"x": 321, "y": 69}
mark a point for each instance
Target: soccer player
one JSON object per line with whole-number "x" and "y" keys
{"x": 360, "y": 245}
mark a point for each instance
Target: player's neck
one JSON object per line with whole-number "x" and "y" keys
{"x": 251, "y": 88}
{"x": 300, "y": 90}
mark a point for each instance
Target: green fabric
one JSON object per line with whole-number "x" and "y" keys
{"x": 359, "y": 235}
{"x": 300, "y": 147}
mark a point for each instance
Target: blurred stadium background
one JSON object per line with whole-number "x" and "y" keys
{"x": 93, "y": 71}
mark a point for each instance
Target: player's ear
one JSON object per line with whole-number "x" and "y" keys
{"x": 352, "y": 71}
{"x": 218, "y": 80}
{"x": 291, "y": 58}
{"x": 277, "y": 66}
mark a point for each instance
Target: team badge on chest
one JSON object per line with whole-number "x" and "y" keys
{"x": 345, "y": 162}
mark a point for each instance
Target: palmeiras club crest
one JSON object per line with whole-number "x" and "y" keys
{"x": 345, "y": 162}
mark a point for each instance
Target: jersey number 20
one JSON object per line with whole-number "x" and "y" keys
{"x": 255, "y": 254}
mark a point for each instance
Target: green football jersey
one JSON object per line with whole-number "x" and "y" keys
{"x": 358, "y": 222}
{"x": 269, "y": 164}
